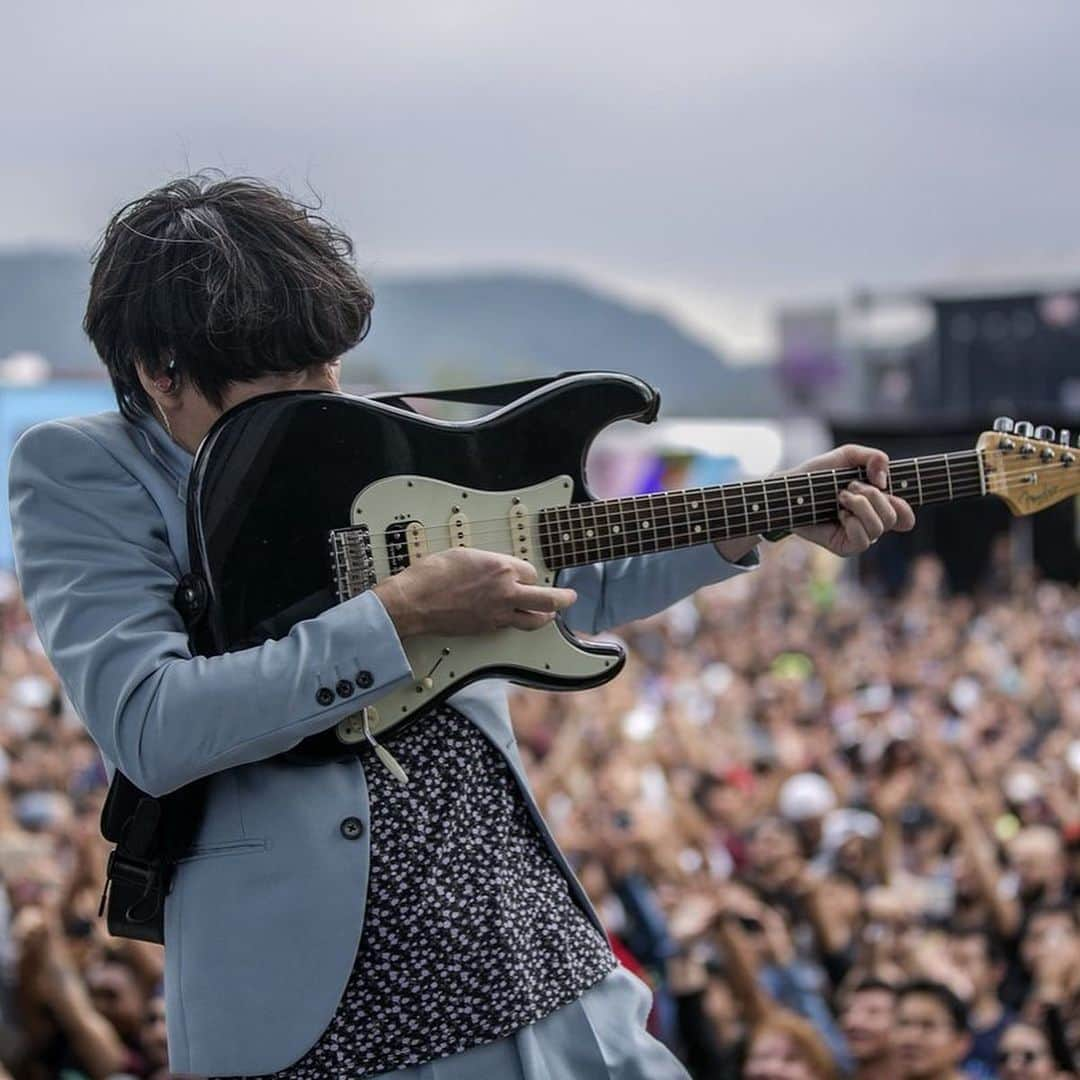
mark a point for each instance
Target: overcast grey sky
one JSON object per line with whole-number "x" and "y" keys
{"x": 715, "y": 156}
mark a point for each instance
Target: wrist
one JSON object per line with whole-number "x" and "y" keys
{"x": 402, "y": 613}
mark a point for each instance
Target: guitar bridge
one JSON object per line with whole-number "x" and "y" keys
{"x": 352, "y": 564}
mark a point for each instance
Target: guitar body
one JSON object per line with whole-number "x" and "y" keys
{"x": 290, "y": 492}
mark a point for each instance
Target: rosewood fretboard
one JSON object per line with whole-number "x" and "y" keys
{"x": 613, "y": 528}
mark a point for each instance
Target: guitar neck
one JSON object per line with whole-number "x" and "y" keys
{"x": 588, "y": 532}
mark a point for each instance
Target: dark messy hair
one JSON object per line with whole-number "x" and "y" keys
{"x": 953, "y": 1006}
{"x": 228, "y": 279}
{"x": 871, "y": 983}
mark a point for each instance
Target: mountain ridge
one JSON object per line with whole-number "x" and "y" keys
{"x": 443, "y": 328}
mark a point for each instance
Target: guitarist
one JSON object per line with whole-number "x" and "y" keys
{"x": 330, "y": 921}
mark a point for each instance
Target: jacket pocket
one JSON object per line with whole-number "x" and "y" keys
{"x": 225, "y": 847}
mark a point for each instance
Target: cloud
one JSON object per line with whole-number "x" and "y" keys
{"x": 746, "y": 151}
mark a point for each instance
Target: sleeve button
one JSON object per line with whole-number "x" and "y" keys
{"x": 344, "y": 688}
{"x": 364, "y": 679}
{"x": 324, "y": 695}
{"x": 352, "y": 828}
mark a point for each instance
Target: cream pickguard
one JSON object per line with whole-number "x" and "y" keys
{"x": 431, "y": 515}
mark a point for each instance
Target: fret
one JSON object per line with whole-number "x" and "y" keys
{"x": 544, "y": 535}
{"x": 821, "y": 499}
{"x": 595, "y": 527}
{"x": 790, "y": 504}
{"x": 836, "y": 491}
{"x": 948, "y": 475}
{"x": 746, "y": 508}
{"x": 705, "y": 511}
{"x": 765, "y": 507}
{"x": 982, "y": 472}
{"x": 573, "y": 532}
{"x": 813, "y": 505}
{"x": 898, "y": 483}
{"x": 603, "y": 529}
{"x": 592, "y": 534}
{"x": 609, "y": 536}
{"x": 918, "y": 479}
{"x": 669, "y": 524}
{"x": 558, "y": 553}
{"x": 630, "y": 523}
{"x": 723, "y": 506}
{"x": 648, "y": 528}
{"x": 644, "y": 522}
{"x": 618, "y": 530}
{"x": 782, "y": 512}
{"x": 575, "y": 529}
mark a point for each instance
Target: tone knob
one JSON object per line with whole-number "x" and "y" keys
{"x": 1045, "y": 433}
{"x": 1003, "y": 423}
{"x": 1023, "y": 428}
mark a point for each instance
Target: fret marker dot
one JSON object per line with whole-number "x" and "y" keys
{"x": 644, "y": 524}
{"x": 693, "y": 506}
{"x": 799, "y": 500}
{"x": 903, "y": 483}
{"x": 566, "y": 536}
{"x": 697, "y": 528}
{"x": 588, "y": 532}
{"x": 614, "y": 528}
{"x": 753, "y": 506}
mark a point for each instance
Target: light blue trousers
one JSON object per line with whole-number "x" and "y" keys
{"x": 601, "y": 1036}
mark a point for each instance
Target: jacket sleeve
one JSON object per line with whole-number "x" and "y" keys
{"x": 617, "y": 592}
{"x": 98, "y": 577}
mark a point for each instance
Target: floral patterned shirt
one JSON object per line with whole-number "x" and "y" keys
{"x": 470, "y": 930}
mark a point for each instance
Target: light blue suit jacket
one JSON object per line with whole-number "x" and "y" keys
{"x": 264, "y": 917}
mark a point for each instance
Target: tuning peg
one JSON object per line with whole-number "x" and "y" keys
{"x": 1003, "y": 423}
{"x": 1023, "y": 428}
{"x": 1064, "y": 435}
{"x": 1045, "y": 433}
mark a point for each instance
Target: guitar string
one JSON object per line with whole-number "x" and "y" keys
{"x": 960, "y": 488}
{"x": 580, "y": 542}
{"x": 578, "y": 530}
{"x": 825, "y": 475}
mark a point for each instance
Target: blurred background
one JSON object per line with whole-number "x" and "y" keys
{"x": 806, "y": 225}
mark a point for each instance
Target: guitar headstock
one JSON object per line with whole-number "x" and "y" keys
{"x": 1029, "y": 467}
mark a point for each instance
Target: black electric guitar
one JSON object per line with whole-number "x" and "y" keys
{"x": 300, "y": 500}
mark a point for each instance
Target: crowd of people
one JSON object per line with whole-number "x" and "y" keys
{"x": 838, "y": 833}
